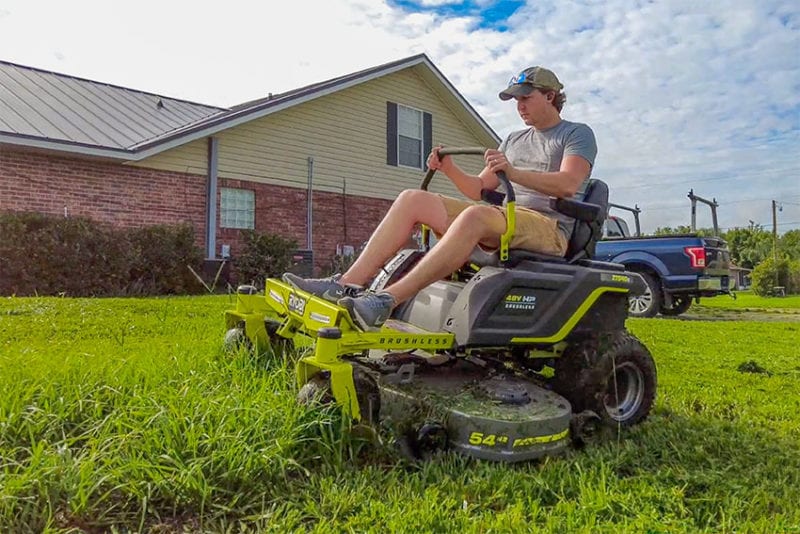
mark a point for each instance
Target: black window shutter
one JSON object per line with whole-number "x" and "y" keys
{"x": 427, "y": 136}
{"x": 391, "y": 134}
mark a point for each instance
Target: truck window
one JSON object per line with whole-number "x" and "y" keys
{"x": 616, "y": 227}
{"x": 623, "y": 228}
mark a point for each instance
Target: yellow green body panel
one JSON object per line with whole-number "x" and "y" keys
{"x": 304, "y": 314}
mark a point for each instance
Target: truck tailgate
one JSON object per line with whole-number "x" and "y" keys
{"x": 717, "y": 256}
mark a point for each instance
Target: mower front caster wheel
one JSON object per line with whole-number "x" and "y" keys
{"x": 318, "y": 391}
{"x": 419, "y": 445}
{"x": 235, "y": 339}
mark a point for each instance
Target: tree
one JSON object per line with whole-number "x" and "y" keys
{"x": 789, "y": 244}
{"x": 749, "y": 246}
{"x": 682, "y": 229}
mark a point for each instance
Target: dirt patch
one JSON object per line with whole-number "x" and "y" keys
{"x": 699, "y": 313}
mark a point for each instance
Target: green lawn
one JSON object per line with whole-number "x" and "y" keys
{"x": 749, "y": 300}
{"x": 122, "y": 414}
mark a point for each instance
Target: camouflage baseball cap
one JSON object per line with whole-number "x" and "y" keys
{"x": 528, "y": 80}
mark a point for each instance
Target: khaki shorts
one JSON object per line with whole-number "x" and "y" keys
{"x": 534, "y": 231}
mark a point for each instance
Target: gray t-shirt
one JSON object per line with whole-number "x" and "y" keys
{"x": 542, "y": 151}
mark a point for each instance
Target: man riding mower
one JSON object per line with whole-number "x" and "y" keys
{"x": 514, "y": 356}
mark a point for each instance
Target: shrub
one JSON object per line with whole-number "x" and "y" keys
{"x": 55, "y": 255}
{"x": 75, "y": 256}
{"x": 161, "y": 260}
{"x": 263, "y": 256}
{"x": 785, "y": 271}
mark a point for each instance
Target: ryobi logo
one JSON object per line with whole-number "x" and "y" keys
{"x": 606, "y": 277}
{"x": 297, "y": 304}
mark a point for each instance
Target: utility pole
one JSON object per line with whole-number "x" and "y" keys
{"x": 775, "y": 233}
{"x": 775, "y": 208}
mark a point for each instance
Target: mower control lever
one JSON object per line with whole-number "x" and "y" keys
{"x": 493, "y": 197}
{"x": 472, "y": 151}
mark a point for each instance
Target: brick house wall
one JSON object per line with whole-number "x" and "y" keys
{"x": 337, "y": 219}
{"x": 102, "y": 191}
{"x": 129, "y": 196}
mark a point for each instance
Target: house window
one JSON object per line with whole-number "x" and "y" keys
{"x": 408, "y": 136}
{"x": 237, "y": 208}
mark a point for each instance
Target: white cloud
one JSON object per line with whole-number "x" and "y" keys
{"x": 680, "y": 94}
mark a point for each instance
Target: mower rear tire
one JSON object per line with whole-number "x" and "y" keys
{"x": 631, "y": 390}
{"x": 613, "y": 376}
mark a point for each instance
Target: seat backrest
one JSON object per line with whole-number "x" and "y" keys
{"x": 585, "y": 234}
{"x": 581, "y": 244}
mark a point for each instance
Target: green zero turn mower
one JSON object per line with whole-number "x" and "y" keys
{"x": 516, "y": 356}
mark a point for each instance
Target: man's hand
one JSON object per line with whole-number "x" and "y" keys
{"x": 437, "y": 163}
{"x": 496, "y": 161}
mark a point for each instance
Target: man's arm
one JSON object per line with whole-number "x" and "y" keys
{"x": 469, "y": 184}
{"x": 563, "y": 183}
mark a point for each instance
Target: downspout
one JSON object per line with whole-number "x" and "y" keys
{"x": 310, "y": 203}
{"x": 211, "y": 199}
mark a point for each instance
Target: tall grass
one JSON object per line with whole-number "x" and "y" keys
{"x": 123, "y": 414}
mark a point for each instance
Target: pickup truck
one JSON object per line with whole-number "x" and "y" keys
{"x": 676, "y": 268}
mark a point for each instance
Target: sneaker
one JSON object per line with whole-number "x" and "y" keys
{"x": 327, "y": 288}
{"x": 370, "y": 310}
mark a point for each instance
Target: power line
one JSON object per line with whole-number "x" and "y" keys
{"x": 717, "y": 179}
{"x": 725, "y": 203}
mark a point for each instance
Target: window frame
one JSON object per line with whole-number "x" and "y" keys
{"x": 393, "y": 135}
{"x": 420, "y": 139}
{"x": 224, "y": 209}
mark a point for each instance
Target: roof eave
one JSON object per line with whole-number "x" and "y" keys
{"x": 66, "y": 146}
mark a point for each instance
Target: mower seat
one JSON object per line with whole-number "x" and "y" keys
{"x": 589, "y": 215}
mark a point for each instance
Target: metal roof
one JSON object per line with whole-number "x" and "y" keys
{"x": 49, "y": 110}
{"x": 46, "y": 105}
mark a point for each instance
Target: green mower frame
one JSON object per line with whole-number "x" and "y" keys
{"x": 506, "y": 316}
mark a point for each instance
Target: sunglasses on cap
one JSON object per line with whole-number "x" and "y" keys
{"x": 521, "y": 78}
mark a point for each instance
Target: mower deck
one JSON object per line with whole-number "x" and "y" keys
{"x": 486, "y": 414}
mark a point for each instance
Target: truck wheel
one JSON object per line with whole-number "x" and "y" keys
{"x": 613, "y": 376}
{"x": 648, "y": 303}
{"x": 679, "y": 306}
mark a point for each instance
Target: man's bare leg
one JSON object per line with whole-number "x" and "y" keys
{"x": 476, "y": 224}
{"x": 411, "y": 207}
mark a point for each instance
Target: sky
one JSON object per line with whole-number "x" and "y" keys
{"x": 682, "y": 95}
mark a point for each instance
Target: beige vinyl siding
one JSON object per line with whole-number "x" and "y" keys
{"x": 344, "y": 133}
{"x": 190, "y": 158}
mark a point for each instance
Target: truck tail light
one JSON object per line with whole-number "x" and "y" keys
{"x": 697, "y": 255}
